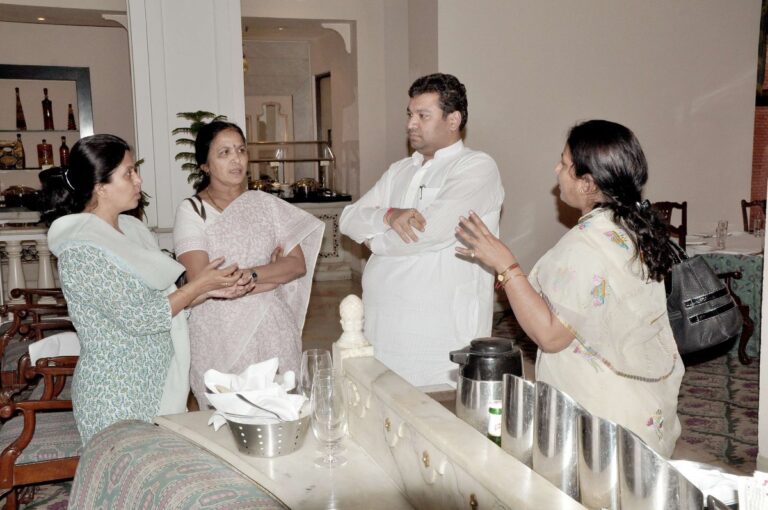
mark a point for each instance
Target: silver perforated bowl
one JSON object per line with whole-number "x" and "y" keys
{"x": 269, "y": 439}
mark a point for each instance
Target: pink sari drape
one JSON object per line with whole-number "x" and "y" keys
{"x": 229, "y": 335}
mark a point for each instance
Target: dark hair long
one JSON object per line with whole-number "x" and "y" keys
{"x": 203, "y": 142}
{"x": 453, "y": 94}
{"x": 92, "y": 161}
{"x": 612, "y": 155}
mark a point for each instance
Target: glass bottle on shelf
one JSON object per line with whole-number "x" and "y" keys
{"x": 47, "y": 111}
{"x": 21, "y": 160}
{"x": 45, "y": 155}
{"x": 21, "y": 122}
{"x": 63, "y": 153}
{"x": 71, "y": 119}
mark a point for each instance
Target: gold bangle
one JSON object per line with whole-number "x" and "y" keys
{"x": 503, "y": 277}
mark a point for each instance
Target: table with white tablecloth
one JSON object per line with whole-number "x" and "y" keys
{"x": 742, "y": 252}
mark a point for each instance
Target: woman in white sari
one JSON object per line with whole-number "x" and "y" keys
{"x": 595, "y": 303}
{"x": 274, "y": 242}
{"x": 119, "y": 287}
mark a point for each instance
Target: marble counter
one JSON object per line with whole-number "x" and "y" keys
{"x": 294, "y": 479}
{"x": 405, "y": 450}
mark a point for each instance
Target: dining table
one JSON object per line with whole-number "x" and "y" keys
{"x": 742, "y": 252}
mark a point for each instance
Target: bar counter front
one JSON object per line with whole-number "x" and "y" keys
{"x": 404, "y": 450}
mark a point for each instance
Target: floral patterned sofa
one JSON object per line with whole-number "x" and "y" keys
{"x": 133, "y": 464}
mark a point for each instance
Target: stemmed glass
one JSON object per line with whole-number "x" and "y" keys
{"x": 329, "y": 416}
{"x": 312, "y": 360}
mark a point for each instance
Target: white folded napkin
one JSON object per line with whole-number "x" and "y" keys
{"x": 60, "y": 344}
{"x": 710, "y": 480}
{"x": 258, "y": 384}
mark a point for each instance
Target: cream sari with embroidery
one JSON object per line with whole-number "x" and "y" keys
{"x": 623, "y": 363}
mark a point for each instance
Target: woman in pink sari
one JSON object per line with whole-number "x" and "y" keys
{"x": 272, "y": 241}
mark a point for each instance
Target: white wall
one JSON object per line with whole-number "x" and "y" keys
{"x": 328, "y": 55}
{"x": 680, "y": 74}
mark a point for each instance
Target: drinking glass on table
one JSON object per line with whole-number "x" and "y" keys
{"x": 329, "y": 417}
{"x": 758, "y": 227}
{"x": 312, "y": 360}
{"x": 721, "y": 232}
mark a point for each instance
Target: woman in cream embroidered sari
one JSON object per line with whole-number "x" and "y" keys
{"x": 273, "y": 241}
{"x": 595, "y": 303}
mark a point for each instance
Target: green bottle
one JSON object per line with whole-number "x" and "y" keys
{"x": 494, "y": 421}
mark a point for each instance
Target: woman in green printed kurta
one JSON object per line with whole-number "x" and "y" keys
{"x": 595, "y": 303}
{"x": 119, "y": 286}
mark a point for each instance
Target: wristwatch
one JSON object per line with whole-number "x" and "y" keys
{"x": 254, "y": 276}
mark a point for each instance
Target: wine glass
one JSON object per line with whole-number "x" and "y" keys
{"x": 312, "y": 360}
{"x": 329, "y": 418}
{"x": 326, "y": 374}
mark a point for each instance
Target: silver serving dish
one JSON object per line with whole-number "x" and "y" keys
{"x": 269, "y": 439}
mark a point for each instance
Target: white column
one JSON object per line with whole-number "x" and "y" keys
{"x": 180, "y": 63}
{"x": 15, "y": 271}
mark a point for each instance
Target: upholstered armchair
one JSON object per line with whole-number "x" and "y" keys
{"x": 39, "y": 441}
{"x": 132, "y": 461}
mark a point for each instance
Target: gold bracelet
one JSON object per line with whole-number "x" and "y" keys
{"x": 503, "y": 277}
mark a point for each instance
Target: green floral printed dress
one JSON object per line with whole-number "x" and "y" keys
{"x": 124, "y": 329}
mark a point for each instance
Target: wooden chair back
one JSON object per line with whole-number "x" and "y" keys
{"x": 665, "y": 210}
{"x": 752, "y": 209}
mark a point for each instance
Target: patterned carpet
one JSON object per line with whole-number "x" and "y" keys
{"x": 718, "y": 410}
{"x": 717, "y": 406}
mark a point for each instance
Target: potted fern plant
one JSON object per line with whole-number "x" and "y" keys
{"x": 187, "y": 155}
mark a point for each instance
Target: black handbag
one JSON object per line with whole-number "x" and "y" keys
{"x": 701, "y": 311}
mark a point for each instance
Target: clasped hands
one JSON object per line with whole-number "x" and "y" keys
{"x": 405, "y": 222}
{"x": 231, "y": 282}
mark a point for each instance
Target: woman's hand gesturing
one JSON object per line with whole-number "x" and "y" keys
{"x": 482, "y": 245}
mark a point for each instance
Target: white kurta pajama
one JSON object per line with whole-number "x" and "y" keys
{"x": 421, "y": 300}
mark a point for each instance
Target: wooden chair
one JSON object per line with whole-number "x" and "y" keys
{"x": 747, "y": 209}
{"x": 749, "y": 326}
{"x": 17, "y": 334}
{"x": 39, "y": 439}
{"x": 664, "y": 211}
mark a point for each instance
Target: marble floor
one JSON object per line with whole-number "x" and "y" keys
{"x": 322, "y": 328}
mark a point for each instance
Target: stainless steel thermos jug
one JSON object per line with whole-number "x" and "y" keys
{"x": 482, "y": 365}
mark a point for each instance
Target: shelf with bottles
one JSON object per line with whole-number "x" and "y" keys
{"x": 22, "y": 131}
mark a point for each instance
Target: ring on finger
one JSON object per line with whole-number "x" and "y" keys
{"x": 472, "y": 254}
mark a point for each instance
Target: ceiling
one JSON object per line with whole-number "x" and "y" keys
{"x": 272, "y": 29}
{"x": 56, "y": 16}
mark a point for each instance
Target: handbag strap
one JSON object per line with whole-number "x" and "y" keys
{"x": 677, "y": 252}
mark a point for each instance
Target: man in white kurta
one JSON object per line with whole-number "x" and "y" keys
{"x": 422, "y": 301}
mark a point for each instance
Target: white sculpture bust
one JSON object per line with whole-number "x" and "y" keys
{"x": 351, "y": 311}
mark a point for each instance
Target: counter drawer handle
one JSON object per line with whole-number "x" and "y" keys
{"x": 425, "y": 458}
{"x": 473, "y": 501}
{"x": 387, "y": 424}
